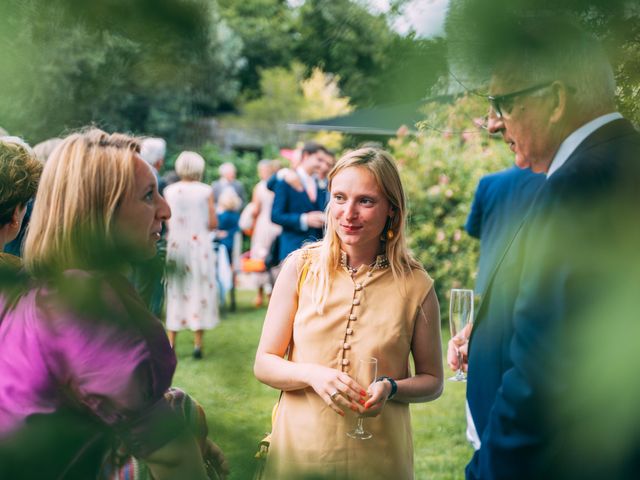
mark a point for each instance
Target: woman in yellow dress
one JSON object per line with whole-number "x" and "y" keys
{"x": 356, "y": 294}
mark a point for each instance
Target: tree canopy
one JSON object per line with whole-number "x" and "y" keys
{"x": 132, "y": 65}
{"x": 375, "y": 64}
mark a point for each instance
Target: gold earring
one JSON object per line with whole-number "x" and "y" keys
{"x": 387, "y": 232}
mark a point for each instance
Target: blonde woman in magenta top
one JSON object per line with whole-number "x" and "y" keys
{"x": 358, "y": 293}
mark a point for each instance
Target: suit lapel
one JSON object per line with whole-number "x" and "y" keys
{"x": 496, "y": 267}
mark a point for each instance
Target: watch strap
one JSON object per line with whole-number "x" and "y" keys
{"x": 394, "y": 385}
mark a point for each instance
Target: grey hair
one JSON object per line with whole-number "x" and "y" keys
{"x": 268, "y": 165}
{"x": 226, "y": 167}
{"x": 265, "y": 162}
{"x": 190, "y": 166}
{"x": 46, "y": 148}
{"x": 153, "y": 149}
{"x": 549, "y": 50}
{"x": 229, "y": 200}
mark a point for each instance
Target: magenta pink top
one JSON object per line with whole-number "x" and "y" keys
{"x": 89, "y": 343}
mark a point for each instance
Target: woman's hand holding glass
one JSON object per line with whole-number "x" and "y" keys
{"x": 378, "y": 395}
{"x": 338, "y": 390}
{"x": 366, "y": 372}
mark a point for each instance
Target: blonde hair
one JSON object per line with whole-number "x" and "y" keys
{"x": 229, "y": 200}
{"x": 190, "y": 166}
{"x": 382, "y": 165}
{"x": 19, "y": 175}
{"x": 83, "y": 182}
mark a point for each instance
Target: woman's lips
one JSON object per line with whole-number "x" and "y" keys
{"x": 350, "y": 228}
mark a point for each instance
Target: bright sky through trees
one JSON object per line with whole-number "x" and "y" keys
{"x": 424, "y": 17}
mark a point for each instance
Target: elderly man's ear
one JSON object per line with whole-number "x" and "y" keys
{"x": 559, "y": 93}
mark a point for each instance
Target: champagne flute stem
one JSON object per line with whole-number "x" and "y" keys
{"x": 360, "y": 425}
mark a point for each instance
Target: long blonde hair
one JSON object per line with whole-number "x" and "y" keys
{"x": 83, "y": 182}
{"x": 382, "y": 165}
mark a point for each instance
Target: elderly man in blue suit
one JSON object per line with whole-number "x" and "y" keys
{"x": 299, "y": 206}
{"x": 540, "y": 363}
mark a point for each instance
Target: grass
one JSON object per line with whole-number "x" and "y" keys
{"x": 239, "y": 407}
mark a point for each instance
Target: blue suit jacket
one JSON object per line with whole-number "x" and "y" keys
{"x": 288, "y": 205}
{"x": 545, "y": 298}
{"x": 501, "y": 201}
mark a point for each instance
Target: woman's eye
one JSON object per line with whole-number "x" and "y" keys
{"x": 149, "y": 195}
{"x": 366, "y": 201}
{"x": 338, "y": 198}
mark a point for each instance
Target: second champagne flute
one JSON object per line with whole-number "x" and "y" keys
{"x": 460, "y": 315}
{"x": 366, "y": 373}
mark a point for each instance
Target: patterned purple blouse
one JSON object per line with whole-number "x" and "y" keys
{"x": 89, "y": 343}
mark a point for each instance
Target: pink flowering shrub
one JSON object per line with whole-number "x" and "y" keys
{"x": 440, "y": 168}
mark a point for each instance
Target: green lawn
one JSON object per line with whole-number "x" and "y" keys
{"x": 239, "y": 407}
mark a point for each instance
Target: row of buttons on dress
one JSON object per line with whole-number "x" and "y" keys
{"x": 358, "y": 287}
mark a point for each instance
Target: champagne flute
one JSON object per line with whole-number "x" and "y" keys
{"x": 460, "y": 315}
{"x": 366, "y": 373}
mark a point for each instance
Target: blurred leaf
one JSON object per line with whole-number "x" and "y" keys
{"x": 137, "y": 65}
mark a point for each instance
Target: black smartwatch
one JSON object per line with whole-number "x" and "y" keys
{"x": 394, "y": 385}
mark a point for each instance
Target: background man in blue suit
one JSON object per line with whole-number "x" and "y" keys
{"x": 299, "y": 206}
{"x": 500, "y": 203}
{"x": 546, "y": 345}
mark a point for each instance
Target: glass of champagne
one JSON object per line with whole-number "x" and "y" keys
{"x": 366, "y": 373}
{"x": 460, "y": 315}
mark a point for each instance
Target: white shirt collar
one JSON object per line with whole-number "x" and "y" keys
{"x": 568, "y": 146}
{"x": 304, "y": 175}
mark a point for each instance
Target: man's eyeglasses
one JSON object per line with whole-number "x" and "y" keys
{"x": 503, "y": 104}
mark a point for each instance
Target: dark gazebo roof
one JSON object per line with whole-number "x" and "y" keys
{"x": 382, "y": 120}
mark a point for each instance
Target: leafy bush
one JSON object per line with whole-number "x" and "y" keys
{"x": 440, "y": 169}
{"x": 287, "y": 96}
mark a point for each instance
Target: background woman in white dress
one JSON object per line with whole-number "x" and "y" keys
{"x": 264, "y": 231}
{"x": 192, "y": 297}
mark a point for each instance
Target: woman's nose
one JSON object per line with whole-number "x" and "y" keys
{"x": 351, "y": 210}
{"x": 164, "y": 210}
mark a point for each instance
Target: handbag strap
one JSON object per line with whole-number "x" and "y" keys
{"x": 303, "y": 276}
